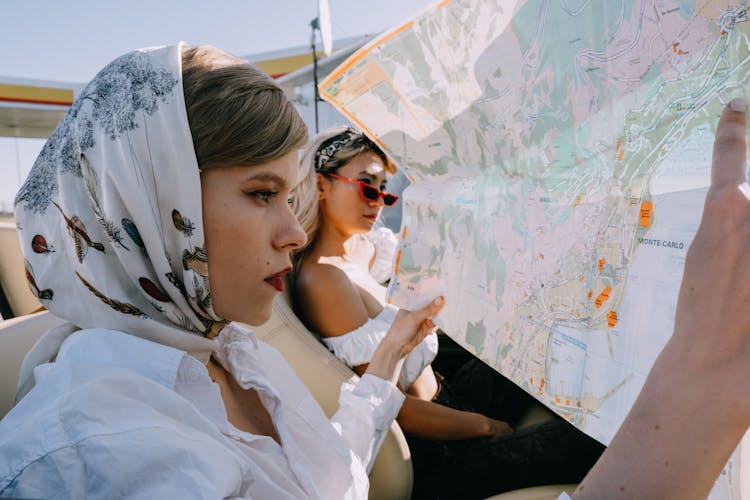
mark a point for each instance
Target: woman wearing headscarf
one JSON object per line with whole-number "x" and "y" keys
{"x": 161, "y": 199}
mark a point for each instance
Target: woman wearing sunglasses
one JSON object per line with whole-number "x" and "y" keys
{"x": 459, "y": 430}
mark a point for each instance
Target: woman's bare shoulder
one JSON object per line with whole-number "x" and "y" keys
{"x": 330, "y": 303}
{"x": 316, "y": 275}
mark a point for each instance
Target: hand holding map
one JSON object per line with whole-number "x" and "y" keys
{"x": 692, "y": 410}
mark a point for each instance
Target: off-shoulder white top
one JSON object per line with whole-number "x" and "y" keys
{"x": 357, "y": 346}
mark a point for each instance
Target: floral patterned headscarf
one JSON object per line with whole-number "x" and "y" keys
{"x": 110, "y": 216}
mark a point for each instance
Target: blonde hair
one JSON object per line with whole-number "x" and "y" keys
{"x": 305, "y": 199}
{"x": 237, "y": 114}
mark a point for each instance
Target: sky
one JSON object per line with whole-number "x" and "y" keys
{"x": 72, "y": 40}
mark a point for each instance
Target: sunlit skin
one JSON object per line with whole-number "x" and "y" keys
{"x": 344, "y": 212}
{"x": 250, "y": 231}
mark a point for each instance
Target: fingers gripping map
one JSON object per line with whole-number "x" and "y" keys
{"x": 560, "y": 153}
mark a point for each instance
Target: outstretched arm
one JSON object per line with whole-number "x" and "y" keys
{"x": 694, "y": 407}
{"x": 428, "y": 420}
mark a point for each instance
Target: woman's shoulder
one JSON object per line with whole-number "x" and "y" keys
{"x": 77, "y": 422}
{"x": 316, "y": 276}
{"x": 328, "y": 301}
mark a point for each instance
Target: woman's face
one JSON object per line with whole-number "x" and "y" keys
{"x": 340, "y": 201}
{"x": 250, "y": 230}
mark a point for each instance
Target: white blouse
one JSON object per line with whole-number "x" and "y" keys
{"x": 358, "y": 346}
{"x": 119, "y": 416}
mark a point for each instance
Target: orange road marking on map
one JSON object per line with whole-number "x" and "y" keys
{"x": 541, "y": 386}
{"x": 567, "y": 402}
{"x": 619, "y": 143}
{"x": 591, "y": 293}
{"x": 557, "y": 400}
{"x": 350, "y": 62}
{"x": 600, "y": 264}
{"x": 403, "y": 233}
{"x": 674, "y": 46}
{"x": 603, "y": 297}
{"x": 647, "y": 209}
{"x": 346, "y": 66}
{"x": 621, "y": 155}
{"x": 398, "y": 261}
{"x": 612, "y": 319}
{"x": 578, "y": 200}
{"x": 373, "y": 72}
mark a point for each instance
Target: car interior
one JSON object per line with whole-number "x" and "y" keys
{"x": 24, "y": 321}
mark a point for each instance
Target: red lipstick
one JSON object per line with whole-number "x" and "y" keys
{"x": 277, "y": 280}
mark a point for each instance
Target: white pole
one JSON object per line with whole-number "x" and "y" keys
{"x": 324, "y": 24}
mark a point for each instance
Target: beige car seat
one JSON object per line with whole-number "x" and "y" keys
{"x": 12, "y": 272}
{"x": 17, "y": 335}
{"x": 323, "y": 373}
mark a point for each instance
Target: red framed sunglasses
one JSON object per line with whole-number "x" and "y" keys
{"x": 367, "y": 191}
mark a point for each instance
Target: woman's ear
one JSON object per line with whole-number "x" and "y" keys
{"x": 322, "y": 186}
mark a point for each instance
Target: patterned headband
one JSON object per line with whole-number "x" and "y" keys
{"x": 330, "y": 147}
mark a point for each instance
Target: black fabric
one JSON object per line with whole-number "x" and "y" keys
{"x": 451, "y": 356}
{"x": 547, "y": 453}
{"x": 5, "y": 310}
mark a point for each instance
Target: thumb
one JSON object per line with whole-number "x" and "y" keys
{"x": 428, "y": 311}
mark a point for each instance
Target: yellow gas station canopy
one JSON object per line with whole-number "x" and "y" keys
{"x": 32, "y": 108}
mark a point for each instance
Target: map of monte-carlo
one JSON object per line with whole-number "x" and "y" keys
{"x": 560, "y": 154}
